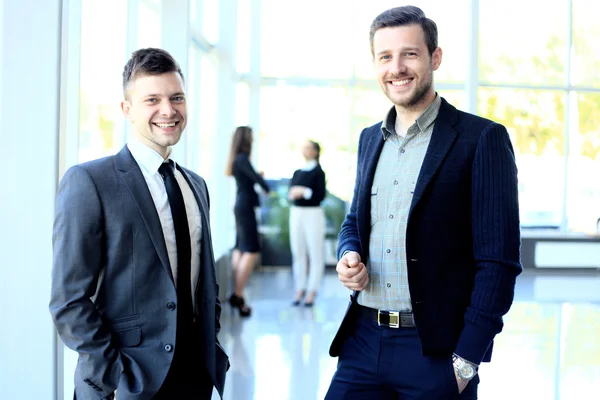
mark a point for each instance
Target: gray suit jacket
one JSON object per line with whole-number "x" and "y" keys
{"x": 113, "y": 293}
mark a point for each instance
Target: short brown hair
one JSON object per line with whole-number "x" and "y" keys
{"x": 406, "y": 15}
{"x": 150, "y": 61}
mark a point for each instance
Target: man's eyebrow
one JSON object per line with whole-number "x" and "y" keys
{"x": 158, "y": 95}
{"x": 404, "y": 49}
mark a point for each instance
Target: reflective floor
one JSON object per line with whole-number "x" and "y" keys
{"x": 549, "y": 349}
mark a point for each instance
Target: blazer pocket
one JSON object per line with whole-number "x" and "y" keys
{"x": 129, "y": 337}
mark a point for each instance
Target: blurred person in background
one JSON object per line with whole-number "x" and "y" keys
{"x": 247, "y": 244}
{"x": 431, "y": 244}
{"x": 133, "y": 279}
{"x": 307, "y": 225}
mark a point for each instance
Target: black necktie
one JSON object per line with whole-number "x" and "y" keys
{"x": 184, "y": 252}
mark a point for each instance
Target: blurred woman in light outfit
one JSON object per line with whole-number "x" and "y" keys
{"x": 247, "y": 245}
{"x": 307, "y": 225}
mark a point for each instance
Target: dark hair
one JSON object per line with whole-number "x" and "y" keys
{"x": 406, "y": 15}
{"x": 241, "y": 142}
{"x": 149, "y": 61}
{"x": 317, "y": 148}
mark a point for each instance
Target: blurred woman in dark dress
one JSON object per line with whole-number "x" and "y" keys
{"x": 247, "y": 247}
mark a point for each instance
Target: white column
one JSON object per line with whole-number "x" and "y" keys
{"x": 226, "y": 49}
{"x": 175, "y": 38}
{"x": 29, "y": 94}
{"x": 255, "y": 73}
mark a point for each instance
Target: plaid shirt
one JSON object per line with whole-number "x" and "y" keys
{"x": 394, "y": 183}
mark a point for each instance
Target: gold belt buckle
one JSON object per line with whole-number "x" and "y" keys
{"x": 393, "y": 318}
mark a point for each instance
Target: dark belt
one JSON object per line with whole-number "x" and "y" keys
{"x": 390, "y": 319}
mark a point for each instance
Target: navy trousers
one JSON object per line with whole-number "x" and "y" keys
{"x": 386, "y": 364}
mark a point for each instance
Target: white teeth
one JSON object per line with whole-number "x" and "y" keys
{"x": 166, "y": 125}
{"x": 400, "y": 83}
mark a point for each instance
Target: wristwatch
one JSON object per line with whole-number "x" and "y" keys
{"x": 464, "y": 369}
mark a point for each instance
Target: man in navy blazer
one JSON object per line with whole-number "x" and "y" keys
{"x": 431, "y": 244}
{"x": 134, "y": 290}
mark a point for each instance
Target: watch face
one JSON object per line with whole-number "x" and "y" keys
{"x": 466, "y": 371}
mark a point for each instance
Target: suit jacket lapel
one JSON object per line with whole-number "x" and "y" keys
{"x": 371, "y": 153}
{"x": 134, "y": 179}
{"x": 443, "y": 136}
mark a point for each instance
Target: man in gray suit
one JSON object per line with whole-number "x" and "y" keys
{"x": 133, "y": 280}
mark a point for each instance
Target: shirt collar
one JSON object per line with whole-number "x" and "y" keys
{"x": 310, "y": 164}
{"x": 146, "y": 157}
{"x": 424, "y": 121}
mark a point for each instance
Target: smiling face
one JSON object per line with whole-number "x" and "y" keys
{"x": 156, "y": 108}
{"x": 404, "y": 67}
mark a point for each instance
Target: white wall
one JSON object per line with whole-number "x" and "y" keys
{"x": 29, "y": 100}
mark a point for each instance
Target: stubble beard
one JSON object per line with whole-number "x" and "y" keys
{"x": 417, "y": 97}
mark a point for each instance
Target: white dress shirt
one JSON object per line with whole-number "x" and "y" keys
{"x": 149, "y": 161}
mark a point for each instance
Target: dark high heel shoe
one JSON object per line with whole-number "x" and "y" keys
{"x": 299, "y": 298}
{"x": 239, "y": 303}
{"x": 311, "y": 296}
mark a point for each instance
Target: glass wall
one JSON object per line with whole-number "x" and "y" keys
{"x": 543, "y": 87}
{"x": 103, "y": 49}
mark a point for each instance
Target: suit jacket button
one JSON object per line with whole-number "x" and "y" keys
{"x": 168, "y": 347}
{"x": 171, "y": 306}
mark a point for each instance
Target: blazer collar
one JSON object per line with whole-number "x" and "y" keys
{"x": 443, "y": 136}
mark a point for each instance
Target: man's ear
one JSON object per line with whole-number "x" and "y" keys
{"x": 126, "y": 108}
{"x": 436, "y": 58}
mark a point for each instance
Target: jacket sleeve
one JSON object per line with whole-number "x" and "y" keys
{"x": 496, "y": 242}
{"x": 348, "y": 238}
{"x": 78, "y": 243}
{"x": 319, "y": 187}
{"x": 245, "y": 168}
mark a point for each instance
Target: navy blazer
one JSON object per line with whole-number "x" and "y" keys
{"x": 463, "y": 235}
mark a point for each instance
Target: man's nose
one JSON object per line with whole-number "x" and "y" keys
{"x": 397, "y": 66}
{"x": 166, "y": 109}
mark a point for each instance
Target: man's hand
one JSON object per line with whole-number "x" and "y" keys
{"x": 462, "y": 384}
{"x": 352, "y": 272}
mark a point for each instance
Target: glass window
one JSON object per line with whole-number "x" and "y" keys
{"x": 522, "y": 42}
{"x": 244, "y": 34}
{"x": 195, "y": 15}
{"x": 242, "y": 104}
{"x": 585, "y": 68}
{"x": 535, "y": 122}
{"x": 289, "y": 116}
{"x": 149, "y": 24}
{"x": 451, "y": 19}
{"x": 210, "y": 20}
{"x": 207, "y": 116}
{"x": 583, "y": 192}
{"x": 103, "y": 55}
{"x": 312, "y": 40}
{"x": 458, "y": 98}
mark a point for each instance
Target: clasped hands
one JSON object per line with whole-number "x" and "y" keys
{"x": 296, "y": 192}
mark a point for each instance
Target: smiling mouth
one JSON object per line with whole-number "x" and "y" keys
{"x": 165, "y": 125}
{"x": 402, "y": 82}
